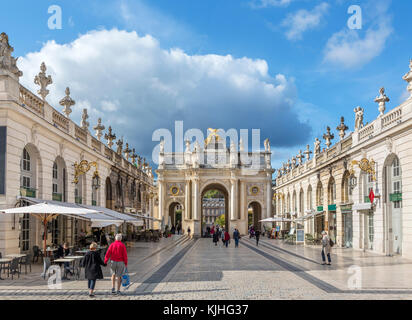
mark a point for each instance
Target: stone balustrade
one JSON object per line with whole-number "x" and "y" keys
{"x": 60, "y": 121}
{"x": 366, "y": 132}
{"x": 392, "y": 118}
{"x": 31, "y": 101}
{"x": 80, "y": 134}
{"x": 41, "y": 108}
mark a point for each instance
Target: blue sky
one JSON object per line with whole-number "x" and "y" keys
{"x": 288, "y": 67}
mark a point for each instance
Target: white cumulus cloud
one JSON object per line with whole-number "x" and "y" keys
{"x": 355, "y": 48}
{"x": 299, "y": 22}
{"x": 137, "y": 87}
{"x": 259, "y": 4}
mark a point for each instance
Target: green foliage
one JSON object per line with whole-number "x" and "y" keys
{"x": 221, "y": 220}
{"x": 213, "y": 194}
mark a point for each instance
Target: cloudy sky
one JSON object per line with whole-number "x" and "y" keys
{"x": 287, "y": 67}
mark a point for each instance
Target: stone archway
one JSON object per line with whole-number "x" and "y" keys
{"x": 174, "y": 216}
{"x": 225, "y": 194}
{"x": 256, "y": 214}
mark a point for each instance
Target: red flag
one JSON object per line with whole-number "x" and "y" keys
{"x": 371, "y": 196}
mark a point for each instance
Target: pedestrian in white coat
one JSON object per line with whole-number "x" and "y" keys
{"x": 326, "y": 248}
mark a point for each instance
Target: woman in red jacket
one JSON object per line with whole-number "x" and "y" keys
{"x": 117, "y": 254}
{"x": 227, "y": 238}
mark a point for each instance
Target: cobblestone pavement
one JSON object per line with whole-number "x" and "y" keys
{"x": 179, "y": 268}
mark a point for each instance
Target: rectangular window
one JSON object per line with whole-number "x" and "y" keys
{"x": 26, "y": 182}
{"x": 54, "y": 188}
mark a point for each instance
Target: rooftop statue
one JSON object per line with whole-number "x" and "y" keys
{"x": 43, "y": 81}
{"x": 408, "y": 78}
{"x": 358, "y": 118}
{"x": 381, "y": 100}
{"x": 7, "y": 62}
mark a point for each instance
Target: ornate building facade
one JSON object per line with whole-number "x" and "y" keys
{"x": 184, "y": 178}
{"x": 359, "y": 188}
{"x": 47, "y": 156}
{"x": 212, "y": 209}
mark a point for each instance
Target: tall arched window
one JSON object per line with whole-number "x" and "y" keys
{"x": 301, "y": 203}
{"x": 310, "y": 200}
{"x": 346, "y": 190}
{"x": 55, "y": 178}
{"x": 26, "y": 181}
{"x": 396, "y": 182}
{"x": 295, "y": 204}
{"x": 319, "y": 194}
{"x": 368, "y": 184}
{"x": 331, "y": 191}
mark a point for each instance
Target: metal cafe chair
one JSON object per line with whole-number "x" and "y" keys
{"x": 14, "y": 267}
{"x": 25, "y": 261}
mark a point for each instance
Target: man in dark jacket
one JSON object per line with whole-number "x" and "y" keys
{"x": 92, "y": 270}
{"x": 257, "y": 235}
{"x": 236, "y": 237}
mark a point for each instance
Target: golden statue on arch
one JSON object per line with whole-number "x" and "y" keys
{"x": 213, "y": 133}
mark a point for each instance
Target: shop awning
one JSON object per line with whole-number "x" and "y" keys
{"x": 113, "y": 214}
{"x": 48, "y": 210}
{"x": 362, "y": 206}
{"x": 95, "y": 215}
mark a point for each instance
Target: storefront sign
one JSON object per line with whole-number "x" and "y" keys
{"x": 346, "y": 208}
{"x": 394, "y": 197}
{"x": 319, "y": 208}
{"x": 3, "y": 137}
{"x": 332, "y": 207}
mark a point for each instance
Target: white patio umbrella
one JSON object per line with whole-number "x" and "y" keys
{"x": 45, "y": 212}
{"x": 276, "y": 219}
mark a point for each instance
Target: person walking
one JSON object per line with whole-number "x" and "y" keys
{"x": 215, "y": 238}
{"x": 257, "y": 236}
{"x": 326, "y": 248}
{"x": 179, "y": 227}
{"x": 188, "y": 232}
{"x": 236, "y": 237}
{"x": 92, "y": 270}
{"x": 227, "y": 239}
{"x": 117, "y": 254}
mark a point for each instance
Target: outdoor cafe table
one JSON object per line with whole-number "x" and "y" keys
{"x": 62, "y": 261}
{"x": 5, "y": 261}
{"x": 16, "y": 255}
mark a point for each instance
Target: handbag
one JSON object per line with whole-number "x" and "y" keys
{"x": 125, "y": 279}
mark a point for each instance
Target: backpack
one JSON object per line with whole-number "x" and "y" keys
{"x": 331, "y": 243}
